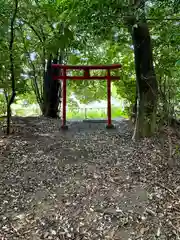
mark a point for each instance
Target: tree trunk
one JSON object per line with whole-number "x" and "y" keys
{"x": 134, "y": 107}
{"x": 52, "y": 91}
{"x": 147, "y": 87}
{"x": 11, "y": 56}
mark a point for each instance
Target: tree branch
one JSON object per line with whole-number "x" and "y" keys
{"x": 35, "y": 83}
{"x": 165, "y": 19}
{"x": 34, "y": 30}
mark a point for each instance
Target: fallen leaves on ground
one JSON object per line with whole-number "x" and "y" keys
{"x": 88, "y": 183}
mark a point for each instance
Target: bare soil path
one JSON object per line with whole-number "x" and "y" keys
{"x": 87, "y": 183}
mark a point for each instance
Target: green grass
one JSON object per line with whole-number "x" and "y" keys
{"x": 74, "y": 113}
{"x": 93, "y": 113}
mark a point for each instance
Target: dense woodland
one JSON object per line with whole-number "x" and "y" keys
{"x": 144, "y": 36}
{"x": 90, "y": 183}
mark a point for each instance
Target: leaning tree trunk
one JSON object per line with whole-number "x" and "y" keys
{"x": 13, "y": 94}
{"x": 51, "y": 91}
{"x": 147, "y": 87}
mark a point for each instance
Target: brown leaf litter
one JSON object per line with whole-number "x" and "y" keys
{"x": 88, "y": 183}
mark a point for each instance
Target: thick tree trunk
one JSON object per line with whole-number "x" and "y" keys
{"x": 147, "y": 87}
{"x": 52, "y": 91}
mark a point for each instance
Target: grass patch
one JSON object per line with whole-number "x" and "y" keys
{"x": 90, "y": 113}
{"x": 73, "y": 113}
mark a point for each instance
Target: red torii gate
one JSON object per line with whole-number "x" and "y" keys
{"x": 64, "y": 77}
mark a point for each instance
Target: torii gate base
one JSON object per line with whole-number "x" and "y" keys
{"x": 64, "y": 77}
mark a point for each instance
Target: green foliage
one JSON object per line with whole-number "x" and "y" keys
{"x": 88, "y": 32}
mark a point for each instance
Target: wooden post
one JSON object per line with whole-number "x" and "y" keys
{"x": 64, "y": 126}
{"x": 109, "y": 122}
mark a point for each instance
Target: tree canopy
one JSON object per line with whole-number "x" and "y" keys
{"x": 87, "y": 32}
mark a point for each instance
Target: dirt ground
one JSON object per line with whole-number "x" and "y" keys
{"x": 88, "y": 182}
